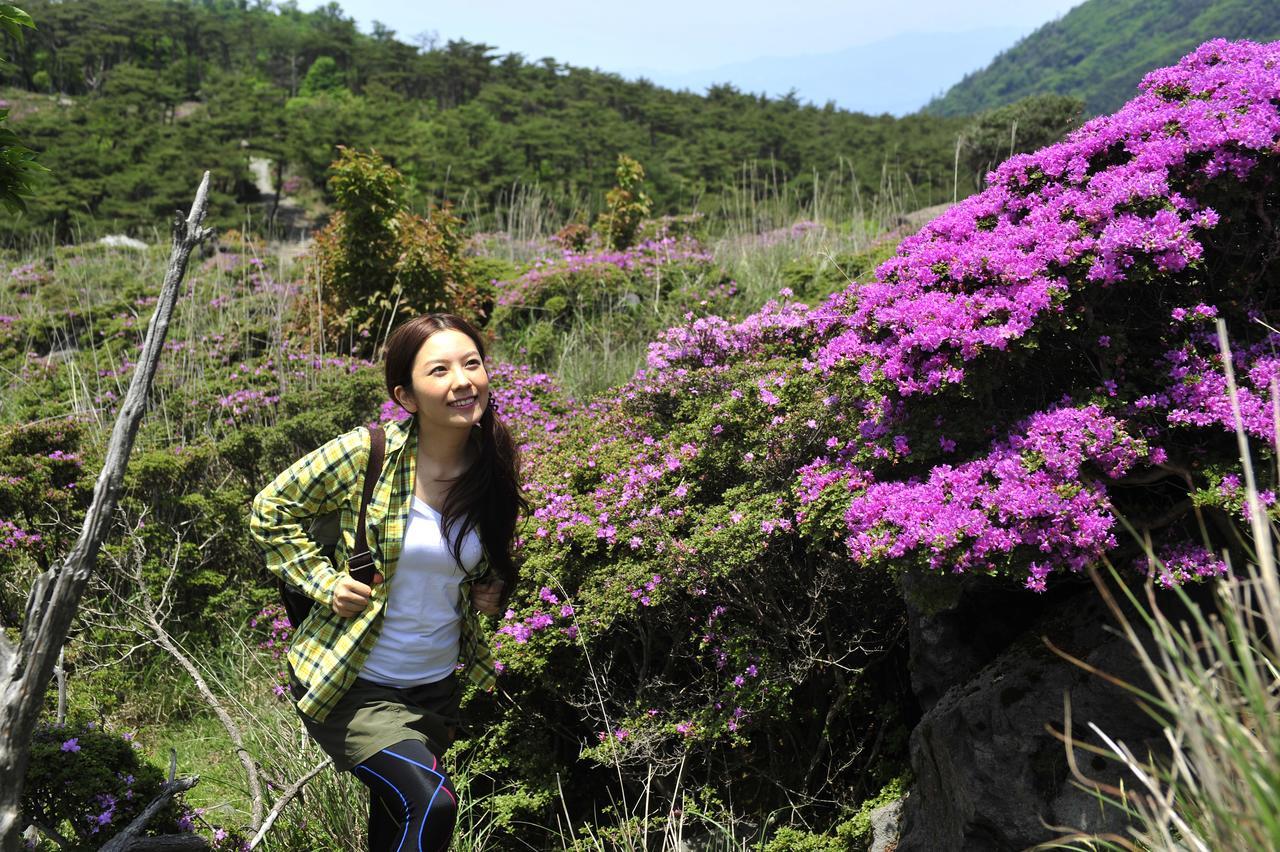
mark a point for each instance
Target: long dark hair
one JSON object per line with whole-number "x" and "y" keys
{"x": 488, "y": 496}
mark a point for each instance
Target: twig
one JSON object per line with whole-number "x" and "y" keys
{"x": 284, "y": 800}
{"x": 150, "y": 613}
{"x": 60, "y": 672}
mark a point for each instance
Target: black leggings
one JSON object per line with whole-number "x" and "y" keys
{"x": 412, "y": 803}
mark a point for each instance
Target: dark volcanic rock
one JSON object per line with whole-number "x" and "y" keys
{"x": 960, "y": 623}
{"x": 988, "y": 776}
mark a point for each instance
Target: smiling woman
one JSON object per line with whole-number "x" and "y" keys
{"x": 373, "y": 670}
{"x": 449, "y": 386}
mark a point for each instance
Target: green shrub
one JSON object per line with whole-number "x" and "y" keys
{"x": 602, "y": 302}
{"x": 1018, "y": 128}
{"x": 88, "y": 783}
{"x": 627, "y": 204}
{"x": 378, "y": 262}
{"x": 814, "y": 278}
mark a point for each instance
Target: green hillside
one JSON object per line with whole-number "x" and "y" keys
{"x": 1101, "y": 49}
{"x": 128, "y": 100}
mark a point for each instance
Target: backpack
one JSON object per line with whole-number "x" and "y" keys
{"x": 326, "y": 529}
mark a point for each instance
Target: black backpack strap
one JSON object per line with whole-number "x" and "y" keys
{"x": 360, "y": 563}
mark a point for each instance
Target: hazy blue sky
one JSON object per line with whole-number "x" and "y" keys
{"x": 687, "y": 42}
{"x": 686, "y": 35}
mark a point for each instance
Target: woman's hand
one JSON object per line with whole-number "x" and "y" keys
{"x": 350, "y": 596}
{"x": 487, "y": 597}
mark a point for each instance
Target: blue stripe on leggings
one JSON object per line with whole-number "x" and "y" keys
{"x": 427, "y": 815}
{"x": 403, "y": 801}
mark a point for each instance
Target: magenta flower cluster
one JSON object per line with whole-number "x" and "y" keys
{"x": 1026, "y": 496}
{"x": 552, "y": 613}
{"x": 14, "y": 537}
{"x": 1197, "y": 393}
{"x": 1113, "y": 199}
{"x": 1176, "y": 564}
{"x": 279, "y": 630}
{"x": 244, "y": 401}
{"x": 713, "y": 341}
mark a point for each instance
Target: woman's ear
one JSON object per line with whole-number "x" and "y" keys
{"x": 405, "y": 399}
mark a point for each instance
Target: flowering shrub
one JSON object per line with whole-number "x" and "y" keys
{"x": 91, "y": 783}
{"x": 41, "y": 474}
{"x": 1092, "y": 265}
{"x": 580, "y": 276}
{"x": 713, "y": 544}
{"x": 665, "y": 534}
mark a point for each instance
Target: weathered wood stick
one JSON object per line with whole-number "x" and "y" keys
{"x": 25, "y": 672}
{"x": 128, "y": 838}
{"x": 285, "y": 798}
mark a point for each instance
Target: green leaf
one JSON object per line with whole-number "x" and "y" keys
{"x": 9, "y": 12}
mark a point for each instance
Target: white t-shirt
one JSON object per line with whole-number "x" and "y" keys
{"x": 423, "y": 619}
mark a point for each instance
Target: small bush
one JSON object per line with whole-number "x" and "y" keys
{"x": 628, "y": 205}
{"x": 88, "y": 783}
{"x": 378, "y": 262}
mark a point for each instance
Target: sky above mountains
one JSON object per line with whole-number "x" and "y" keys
{"x": 868, "y": 56}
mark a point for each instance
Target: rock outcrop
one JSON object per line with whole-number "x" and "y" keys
{"x": 989, "y": 776}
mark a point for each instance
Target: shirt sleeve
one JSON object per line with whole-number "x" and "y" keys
{"x": 314, "y": 485}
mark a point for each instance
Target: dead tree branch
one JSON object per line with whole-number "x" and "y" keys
{"x": 25, "y": 671}
{"x": 128, "y": 838}
{"x": 150, "y": 613}
{"x": 284, "y": 800}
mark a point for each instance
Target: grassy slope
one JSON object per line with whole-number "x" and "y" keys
{"x": 1101, "y": 49}
{"x": 109, "y": 289}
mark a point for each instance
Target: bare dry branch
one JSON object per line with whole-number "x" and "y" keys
{"x": 56, "y": 594}
{"x": 283, "y": 801}
{"x": 127, "y": 838}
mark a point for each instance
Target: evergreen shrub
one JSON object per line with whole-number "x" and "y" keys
{"x": 623, "y": 295}
{"x": 378, "y": 262}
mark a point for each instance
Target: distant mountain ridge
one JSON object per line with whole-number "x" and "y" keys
{"x": 1101, "y": 49}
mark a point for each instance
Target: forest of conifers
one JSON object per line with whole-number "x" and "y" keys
{"x": 128, "y": 100}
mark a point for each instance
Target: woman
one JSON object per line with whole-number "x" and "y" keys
{"x": 373, "y": 666}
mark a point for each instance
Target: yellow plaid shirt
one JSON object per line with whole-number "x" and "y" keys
{"x": 327, "y": 650}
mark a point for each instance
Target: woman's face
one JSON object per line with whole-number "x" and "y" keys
{"x": 450, "y": 385}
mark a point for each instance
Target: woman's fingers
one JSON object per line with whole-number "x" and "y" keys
{"x": 486, "y": 597}
{"x": 350, "y": 596}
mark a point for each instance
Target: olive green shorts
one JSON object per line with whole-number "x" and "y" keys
{"x": 372, "y": 716}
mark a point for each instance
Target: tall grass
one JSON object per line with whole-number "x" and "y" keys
{"x": 87, "y": 294}
{"x": 331, "y": 811}
{"x": 1215, "y": 687}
